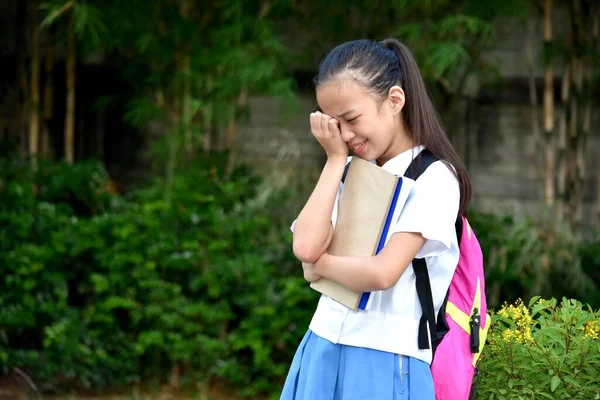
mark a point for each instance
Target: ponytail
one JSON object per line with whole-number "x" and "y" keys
{"x": 423, "y": 122}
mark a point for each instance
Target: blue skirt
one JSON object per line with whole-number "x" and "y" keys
{"x": 322, "y": 370}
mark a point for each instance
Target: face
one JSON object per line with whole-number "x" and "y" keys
{"x": 371, "y": 127}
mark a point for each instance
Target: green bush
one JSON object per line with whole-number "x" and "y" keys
{"x": 544, "y": 351}
{"x": 526, "y": 257}
{"x": 101, "y": 291}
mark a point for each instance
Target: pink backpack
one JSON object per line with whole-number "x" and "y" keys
{"x": 458, "y": 333}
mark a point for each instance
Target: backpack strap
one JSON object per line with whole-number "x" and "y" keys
{"x": 346, "y": 171}
{"x": 423, "y": 284}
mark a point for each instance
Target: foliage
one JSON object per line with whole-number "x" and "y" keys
{"x": 102, "y": 291}
{"x": 447, "y": 37}
{"x": 194, "y": 63}
{"x": 547, "y": 350}
{"x": 87, "y": 19}
{"x": 527, "y": 257}
{"x": 112, "y": 291}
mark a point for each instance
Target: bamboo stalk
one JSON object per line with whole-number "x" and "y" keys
{"x": 533, "y": 98}
{"x": 186, "y": 114}
{"x": 598, "y": 196}
{"x": 22, "y": 117}
{"x": 34, "y": 89}
{"x": 562, "y": 155}
{"x": 186, "y": 109}
{"x": 70, "y": 106}
{"x": 48, "y": 97}
{"x": 580, "y": 102}
{"x": 57, "y": 13}
{"x": 208, "y": 142}
{"x": 548, "y": 107}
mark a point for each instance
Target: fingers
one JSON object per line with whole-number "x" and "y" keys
{"x": 334, "y": 126}
{"x": 323, "y": 125}
{"x": 309, "y": 274}
{"x": 315, "y": 123}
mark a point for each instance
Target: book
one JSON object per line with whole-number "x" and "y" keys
{"x": 370, "y": 199}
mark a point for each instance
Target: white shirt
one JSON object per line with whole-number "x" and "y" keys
{"x": 391, "y": 321}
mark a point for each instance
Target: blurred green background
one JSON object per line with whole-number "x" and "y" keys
{"x": 153, "y": 154}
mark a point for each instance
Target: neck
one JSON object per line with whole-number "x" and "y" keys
{"x": 400, "y": 144}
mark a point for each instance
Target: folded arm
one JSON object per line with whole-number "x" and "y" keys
{"x": 380, "y": 272}
{"x": 313, "y": 230}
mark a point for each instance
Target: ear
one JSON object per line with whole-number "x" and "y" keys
{"x": 396, "y": 98}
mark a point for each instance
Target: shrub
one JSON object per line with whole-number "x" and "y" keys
{"x": 100, "y": 291}
{"x": 526, "y": 257}
{"x": 547, "y": 350}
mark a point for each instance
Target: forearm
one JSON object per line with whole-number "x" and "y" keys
{"x": 367, "y": 274}
{"x": 313, "y": 229}
{"x": 359, "y": 274}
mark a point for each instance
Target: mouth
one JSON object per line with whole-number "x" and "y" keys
{"x": 358, "y": 148}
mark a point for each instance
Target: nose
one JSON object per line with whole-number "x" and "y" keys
{"x": 346, "y": 133}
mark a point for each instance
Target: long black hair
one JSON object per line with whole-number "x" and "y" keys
{"x": 380, "y": 65}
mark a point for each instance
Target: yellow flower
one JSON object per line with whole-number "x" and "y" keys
{"x": 591, "y": 329}
{"x": 508, "y": 334}
{"x": 519, "y": 313}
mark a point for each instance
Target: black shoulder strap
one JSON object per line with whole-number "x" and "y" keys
{"x": 416, "y": 168}
{"x": 346, "y": 171}
{"x": 419, "y": 164}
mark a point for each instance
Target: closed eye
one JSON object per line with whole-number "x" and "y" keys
{"x": 352, "y": 120}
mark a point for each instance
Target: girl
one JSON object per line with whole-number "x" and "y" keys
{"x": 374, "y": 103}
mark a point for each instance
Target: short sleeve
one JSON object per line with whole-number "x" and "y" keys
{"x": 431, "y": 209}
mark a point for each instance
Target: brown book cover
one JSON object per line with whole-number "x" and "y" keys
{"x": 365, "y": 209}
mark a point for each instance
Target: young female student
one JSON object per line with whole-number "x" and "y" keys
{"x": 374, "y": 103}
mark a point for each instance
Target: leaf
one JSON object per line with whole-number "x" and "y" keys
{"x": 88, "y": 19}
{"x": 554, "y": 383}
{"x": 538, "y": 307}
{"x": 533, "y": 300}
{"x": 54, "y": 10}
{"x": 555, "y": 333}
{"x": 572, "y": 381}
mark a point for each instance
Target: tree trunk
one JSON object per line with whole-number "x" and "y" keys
{"x": 34, "y": 90}
{"x": 549, "y": 191}
{"x": 48, "y": 97}
{"x": 186, "y": 109}
{"x": 173, "y": 132}
{"x": 231, "y": 143}
{"x": 22, "y": 116}
{"x": 562, "y": 153}
{"x": 533, "y": 99}
{"x": 595, "y": 39}
{"x": 584, "y": 31}
{"x": 207, "y": 123}
{"x": 70, "y": 106}
{"x": 598, "y": 197}
{"x": 577, "y": 139}
{"x": 208, "y": 120}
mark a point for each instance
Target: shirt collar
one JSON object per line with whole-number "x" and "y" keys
{"x": 398, "y": 164}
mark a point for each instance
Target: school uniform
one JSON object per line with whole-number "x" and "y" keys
{"x": 373, "y": 353}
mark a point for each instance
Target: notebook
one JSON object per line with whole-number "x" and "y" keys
{"x": 370, "y": 200}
